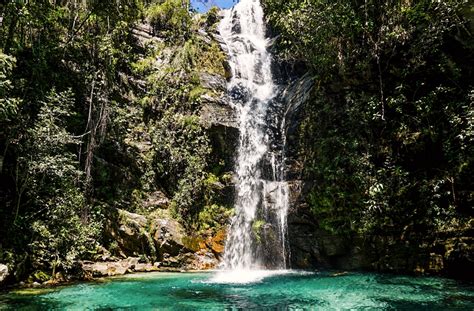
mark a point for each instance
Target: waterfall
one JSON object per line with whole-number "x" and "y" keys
{"x": 256, "y": 237}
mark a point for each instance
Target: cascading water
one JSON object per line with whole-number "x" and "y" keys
{"x": 257, "y": 235}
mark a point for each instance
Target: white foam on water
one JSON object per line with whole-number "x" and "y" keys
{"x": 249, "y": 276}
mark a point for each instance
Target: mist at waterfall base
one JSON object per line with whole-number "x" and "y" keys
{"x": 294, "y": 291}
{"x": 256, "y": 238}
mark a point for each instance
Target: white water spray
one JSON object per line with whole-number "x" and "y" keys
{"x": 256, "y": 238}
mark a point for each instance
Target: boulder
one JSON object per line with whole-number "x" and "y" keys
{"x": 435, "y": 263}
{"x": 152, "y": 236}
{"x": 146, "y": 267}
{"x": 111, "y": 268}
{"x": 215, "y": 111}
{"x": 168, "y": 236}
{"x": 156, "y": 199}
{"x": 129, "y": 231}
{"x": 334, "y": 245}
{"x": 173, "y": 261}
{"x": 143, "y": 32}
{"x": 460, "y": 258}
{"x": 203, "y": 260}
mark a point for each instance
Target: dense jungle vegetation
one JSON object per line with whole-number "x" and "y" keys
{"x": 388, "y": 135}
{"x": 93, "y": 117}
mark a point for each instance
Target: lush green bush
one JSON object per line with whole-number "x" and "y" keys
{"x": 8, "y": 103}
{"x": 75, "y": 120}
{"x": 170, "y": 18}
{"x": 385, "y": 135}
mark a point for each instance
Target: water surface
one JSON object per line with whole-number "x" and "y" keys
{"x": 287, "y": 291}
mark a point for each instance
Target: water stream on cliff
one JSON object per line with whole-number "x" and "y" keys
{"x": 257, "y": 235}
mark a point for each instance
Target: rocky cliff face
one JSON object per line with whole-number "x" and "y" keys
{"x": 156, "y": 240}
{"x": 311, "y": 247}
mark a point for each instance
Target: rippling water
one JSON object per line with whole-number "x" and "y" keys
{"x": 283, "y": 291}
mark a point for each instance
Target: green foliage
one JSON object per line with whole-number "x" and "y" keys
{"x": 346, "y": 36}
{"x": 213, "y": 217}
{"x": 40, "y": 276}
{"x": 211, "y": 59}
{"x": 170, "y": 18}
{"x": 180, "y": 153}
{"x": 54, "y": 108}
{"x": 386, "y": 135}
{"x": 51, "y": 182}
{"x": 61, "y": 237}
{"x": 208, "y": 21}
{"x": 257, "y": 227}
{"x": 181, "y": 149}
{"x": 8, "y": 103}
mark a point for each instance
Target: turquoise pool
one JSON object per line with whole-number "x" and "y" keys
{"x": 285, "y": 291}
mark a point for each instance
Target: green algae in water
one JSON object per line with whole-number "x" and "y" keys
{"x": 292, "y": 291}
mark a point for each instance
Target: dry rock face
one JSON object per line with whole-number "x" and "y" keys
{"x": 113, "y": 268}
{"x": 101, "y": 269}
{"x": 221, "y": 122}
{"x": 167, "y": 235}
{"x": 216, "y": 243}
{"x": 203, "y": 260}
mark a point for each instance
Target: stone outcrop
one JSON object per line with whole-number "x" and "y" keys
{"x": 203, "y": 260}
{"x": 213, "y": 82}
{"x": 137, "y": 235}
{"x": 216, "y": 242}
{"x": 167, "y": 235}
{"x": 143, "y": 32}
{"x": 217, "y": 112}
{"x": 128, "y": 230}
{"x": 449, "y": 254}
{"x": 160, "y": 238}
{"x": 114, "y": 268}
{"x": 156, "y": 199}
{"x": 101, "y": 269}
{"x": 446, "y": 253}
